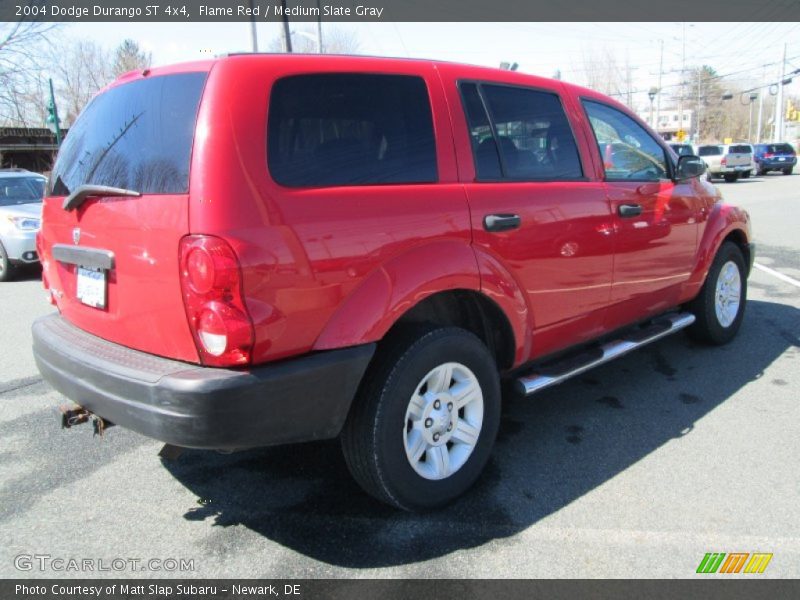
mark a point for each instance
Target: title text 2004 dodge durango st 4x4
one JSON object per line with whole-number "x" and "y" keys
{"x": 263, "y": 249}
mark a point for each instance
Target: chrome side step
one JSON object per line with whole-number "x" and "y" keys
{"x": 575, "y": 365}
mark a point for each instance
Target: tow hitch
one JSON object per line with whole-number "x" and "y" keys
{"x": 72, "y": 415}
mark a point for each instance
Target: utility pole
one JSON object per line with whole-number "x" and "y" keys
{"x": 319, "y": 27}
{"x": 287, "y": 35}
{"x": 760, "y": 107}
{"x": 683, "y": 82}
{"x": 53, "y": 122}
{"x": 658, "y": 97}
{"x": 253, "y": 34}
{"x": 698, "y": 106}
{"x": 778, "y": 134}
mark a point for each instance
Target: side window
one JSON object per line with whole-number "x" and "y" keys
{"x": 528, "y": 137}
{"x": 628, "y": 151}
{"x": 350, "y": 129}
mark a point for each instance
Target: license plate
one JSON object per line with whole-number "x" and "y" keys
{"x": 92, "y": 287}
{"x": 782, "y": 158}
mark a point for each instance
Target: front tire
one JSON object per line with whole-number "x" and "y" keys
{"x": 719, "y": 307}
{"x": 425, "y": 419}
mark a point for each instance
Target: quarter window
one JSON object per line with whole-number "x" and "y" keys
{"x": 528, "y": 137}
{"x": 628, "y": 151}
{"x": 350, "y": 129}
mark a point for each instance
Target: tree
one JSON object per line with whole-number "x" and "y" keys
{"x": 604, "y": 72}
{"x": 735, "y": 118}
{"x": 23, "y": 50}
{"x": 80, "y": 68}
{"x": 334, "y": 41}
{"x": 129, "y": 57}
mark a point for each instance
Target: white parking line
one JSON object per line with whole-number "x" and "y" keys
{"x": 775, "y": 273}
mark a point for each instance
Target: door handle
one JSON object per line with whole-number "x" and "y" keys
{"x": 629, "y": 210}
{"x": 503, "y": 222}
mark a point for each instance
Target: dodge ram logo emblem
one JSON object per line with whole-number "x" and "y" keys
{"x": 76, "y": 235}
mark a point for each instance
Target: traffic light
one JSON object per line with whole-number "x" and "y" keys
{"x": 792, "y": 113}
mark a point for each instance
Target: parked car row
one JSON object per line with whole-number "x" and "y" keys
{"x": 732, "y": 161}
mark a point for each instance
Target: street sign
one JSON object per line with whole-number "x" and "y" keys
{"x": 680, "y": 135}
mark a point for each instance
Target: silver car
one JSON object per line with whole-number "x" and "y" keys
{"x": 21, "y": 194}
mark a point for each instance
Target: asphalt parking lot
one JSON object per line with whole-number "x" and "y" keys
{"x": 636, "y": 469}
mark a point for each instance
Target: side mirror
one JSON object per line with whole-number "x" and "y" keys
{"x": 689, "y": 167}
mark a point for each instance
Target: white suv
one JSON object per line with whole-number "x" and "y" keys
{"x": 21, "y": 194}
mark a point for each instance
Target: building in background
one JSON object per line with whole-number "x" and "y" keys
{"x": 672, "y": 121}
{"x": 27, "y": 148}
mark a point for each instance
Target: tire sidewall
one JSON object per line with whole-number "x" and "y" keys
{"x": 6, "y": 268}
{"x": 728, "y": 253}
{"x": 401, "y": 481}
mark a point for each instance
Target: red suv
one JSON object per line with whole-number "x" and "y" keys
{"x": 264, "y": 249}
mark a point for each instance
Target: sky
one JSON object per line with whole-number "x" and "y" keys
{"x": 752, "y": 52}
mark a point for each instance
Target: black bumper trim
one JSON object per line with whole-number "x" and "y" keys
{"x": 294, "y": 400}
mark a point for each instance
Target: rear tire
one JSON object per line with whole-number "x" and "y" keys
{"x": 425, "y": 419}
{"x": 731, "y": 178}
{"x": 746, "y": 175}
{"x": 788, "y": 171}
{"x": 7, "y": 269}
{"x": 719, "y": 307}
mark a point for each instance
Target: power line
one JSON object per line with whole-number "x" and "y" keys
{"x": 711, "y": 78}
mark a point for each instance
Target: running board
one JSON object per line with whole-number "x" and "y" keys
{"x": 575, "y": 365}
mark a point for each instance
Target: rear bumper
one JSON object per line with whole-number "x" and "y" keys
{"x": 295, "y": 400}
{"x": 773, "y": 164}
{"x": 720, "y": 171}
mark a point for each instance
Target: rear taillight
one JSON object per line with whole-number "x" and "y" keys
{"x": 768, "y": 155}
{"x": 211, "y": 281}
{"x": 723, "y": 162}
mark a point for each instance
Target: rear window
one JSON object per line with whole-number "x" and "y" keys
{"x": 709, "y": 151}
{"x": 135, "y": 136}
{"x": 21, "y": 190}
{"x": 780, "y": 149}
{"x": 740, "y": 149}
{"x": 350, "y": 129}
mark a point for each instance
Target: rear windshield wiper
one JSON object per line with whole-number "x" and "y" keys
{"x": 76, "y": 198}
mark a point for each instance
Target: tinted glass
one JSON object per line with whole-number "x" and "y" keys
{"x": 350, "y": 129}
{"x": 780, "y": 149}
{"x": 135, "y": 136}
{"x": 709, "y": 151}
{"x": 20, "y": 190}
{"x": 740, "y": 149}
{"x": 682, "y": 149}
{"x": 484, "y": 150}
{"x": 530, "y": 129}
{"x": 628, "y": 151}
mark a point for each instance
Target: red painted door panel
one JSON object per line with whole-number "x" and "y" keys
{"x": 561, "y": 255}
{"x": 655, "y": 250}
